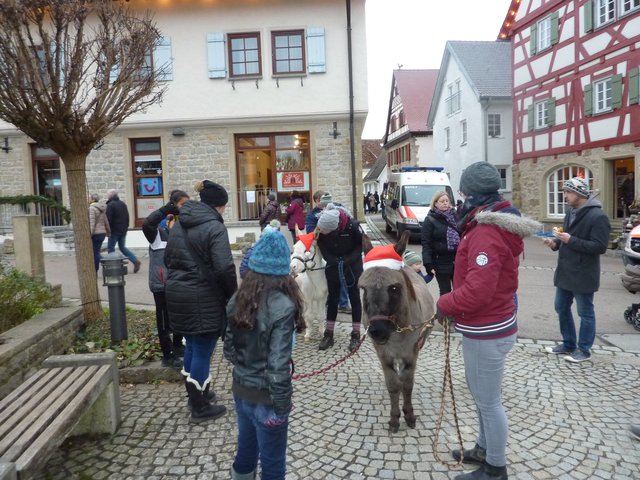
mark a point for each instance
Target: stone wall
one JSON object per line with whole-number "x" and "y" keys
{"x": 530, "y": 178}
{"x": 24, "y": 348}
{"x": 202, "y": 152}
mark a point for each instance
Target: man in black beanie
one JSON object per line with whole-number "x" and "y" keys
{"x": 201, "y": 280}
{"x": 483, "y": 306}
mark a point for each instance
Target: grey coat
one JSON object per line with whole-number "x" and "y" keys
{"x": 578, "y": 268}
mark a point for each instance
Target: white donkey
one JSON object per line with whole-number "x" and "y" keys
{"x": 307, "y": 266}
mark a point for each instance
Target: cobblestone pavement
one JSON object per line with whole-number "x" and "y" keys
{"x": 566, "y": 421}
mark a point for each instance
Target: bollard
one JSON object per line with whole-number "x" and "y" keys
{"x": 113, "y": 272}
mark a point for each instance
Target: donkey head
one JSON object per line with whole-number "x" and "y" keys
{"x": 305, "y": 254}
{"x": 386, "y": 296}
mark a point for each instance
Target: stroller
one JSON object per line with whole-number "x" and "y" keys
{"x": 631, "y": 281}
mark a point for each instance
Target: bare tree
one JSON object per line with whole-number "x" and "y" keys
{"x": 71, "y": 71}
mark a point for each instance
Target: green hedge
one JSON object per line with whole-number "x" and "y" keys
{"x": 21, "y": 297}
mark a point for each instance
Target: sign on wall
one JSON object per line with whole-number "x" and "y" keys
{"x": 289, "y": 181}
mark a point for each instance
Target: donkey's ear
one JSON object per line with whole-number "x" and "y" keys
{"x": 366, "y": 243}
{"x": 401, "y": 246}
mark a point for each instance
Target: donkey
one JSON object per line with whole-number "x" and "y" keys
{"x": 307, "y": 266}
{"x": 398, "y": 308}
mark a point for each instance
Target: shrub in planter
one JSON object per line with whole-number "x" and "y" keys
{"x": 21, "y": 297}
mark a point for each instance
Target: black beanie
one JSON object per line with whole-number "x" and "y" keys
{"x": 213, "y": 194}
{"x": 480, "y": 178}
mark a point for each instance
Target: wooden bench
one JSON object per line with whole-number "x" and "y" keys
{"x": 69, "y": 395}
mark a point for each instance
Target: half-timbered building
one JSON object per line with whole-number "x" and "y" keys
{"x": 575, "y": 100}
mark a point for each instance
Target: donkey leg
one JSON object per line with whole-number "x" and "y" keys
{"x": 407, "y": 379}
{"x": 394, "y": 387}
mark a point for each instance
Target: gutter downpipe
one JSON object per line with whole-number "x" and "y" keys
{"x": 485, "y": 128}
{"x": 351, "y": 115}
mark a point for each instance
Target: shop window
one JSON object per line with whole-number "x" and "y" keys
{"x": 148, "y": 184}
{"x": 276, "y": 162}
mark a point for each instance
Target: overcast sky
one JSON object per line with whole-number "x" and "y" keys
{"x": 413, "y": 33}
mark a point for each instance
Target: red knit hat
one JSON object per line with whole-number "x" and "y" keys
{"x": 307, "y": 240}
{"x": 383, "y": 256}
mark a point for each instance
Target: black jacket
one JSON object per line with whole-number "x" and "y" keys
{"x": 118, "y": 216}
{"x": 261, "y": 357}
{"x": 345, "y": 244}
{"x": 435, "y": 253}
{"x": 198, "y": 289}
{"x": 578, "y": 268}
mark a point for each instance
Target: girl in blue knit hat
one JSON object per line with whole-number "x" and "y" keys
{"x": 263, "y": 316}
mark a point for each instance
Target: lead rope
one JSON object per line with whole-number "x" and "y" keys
{"x": 447, "y": 383}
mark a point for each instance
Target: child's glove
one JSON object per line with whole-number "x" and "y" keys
{"x": 274, "y": 420}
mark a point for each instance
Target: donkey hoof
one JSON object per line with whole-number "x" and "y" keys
{"x": 394, "y": 425}
{"x": 411, "y": 422}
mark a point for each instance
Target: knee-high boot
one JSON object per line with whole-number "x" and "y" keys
{"x": 201, "y": 409}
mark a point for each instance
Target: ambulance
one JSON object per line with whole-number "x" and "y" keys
{"x": 408, "y": 197}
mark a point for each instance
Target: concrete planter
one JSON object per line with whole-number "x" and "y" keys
{"x": 24, "y": 347}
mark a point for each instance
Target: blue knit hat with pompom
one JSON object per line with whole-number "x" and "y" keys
{"x": 270, "y": 255}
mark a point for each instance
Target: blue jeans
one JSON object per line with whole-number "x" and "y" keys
{"x": 584, "y": 301}
{"x": 484, "y": 368}
{"x": 120, "y": 240}
{"x": 197, "y": 356}
{"x": 97, "y": 245}
{"x": 261, "y": 435}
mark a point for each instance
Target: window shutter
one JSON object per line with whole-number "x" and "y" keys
{"x": 588, "y": 100}
{"x": 162, "y": 59}
{"x": 216, "y": 58}
{"x": 315, "y": 50}
{"x": 555, "y": 27}
{"x": 551, "y": 112}
{"x": 634, "y": 86}
{"x": 530, "y": 118}
{"x": 588, "y": 16}
{"x": 533, "y": 39}
{"x": 616, "y": 91}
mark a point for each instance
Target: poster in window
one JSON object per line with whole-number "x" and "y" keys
{"x": 289, "y": 181}
{"x": 151, "y": 186}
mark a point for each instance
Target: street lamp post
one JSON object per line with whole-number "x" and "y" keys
{"x": 113, "y": 272}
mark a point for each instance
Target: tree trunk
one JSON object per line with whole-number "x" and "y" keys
{"x": 76, "y": 180}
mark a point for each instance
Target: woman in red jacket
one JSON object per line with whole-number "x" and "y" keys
{"x": 295, "y": 214}
{"x": 483, "y": 306}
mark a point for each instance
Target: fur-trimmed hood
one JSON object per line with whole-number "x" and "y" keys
{"x": 510, "y": 222}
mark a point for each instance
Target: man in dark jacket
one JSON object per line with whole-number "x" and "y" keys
{"x": 201, "y": 280}
{"x": 580, "y": 242}
{"x": 118, "y": 216}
